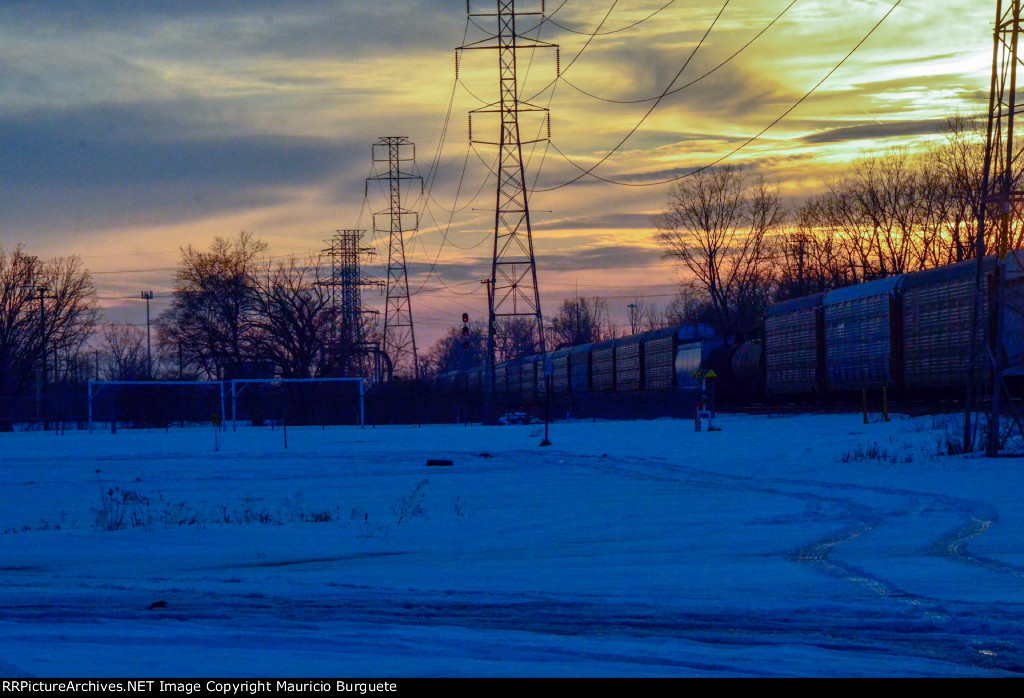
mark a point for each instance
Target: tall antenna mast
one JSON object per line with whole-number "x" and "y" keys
{"x": 513, "y": 290}
{"x": 399, "y": 155}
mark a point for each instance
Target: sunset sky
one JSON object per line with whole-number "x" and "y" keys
{"x": 131, "y": 129}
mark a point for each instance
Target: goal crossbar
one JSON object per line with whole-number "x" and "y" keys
{"x": 236, "y": 386}
{"x": 100, "y": 385}
{"x": 230, "y": 389}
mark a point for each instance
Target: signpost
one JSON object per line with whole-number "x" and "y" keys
{"x": 705, "y": 376}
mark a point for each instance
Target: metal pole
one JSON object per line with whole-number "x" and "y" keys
{"x": 90, "y": 406}
{"x": 999, "y": 309}
{"x": 42, "y": 341}
{"x": 547, "y": 407}
{"x": 148, "y": 295}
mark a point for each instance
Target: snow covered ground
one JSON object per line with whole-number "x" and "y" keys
{"x": 779, "y": 546}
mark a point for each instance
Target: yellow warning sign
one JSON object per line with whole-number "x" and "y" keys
{"x": 703, "y": 374}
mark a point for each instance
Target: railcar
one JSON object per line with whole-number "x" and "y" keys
{"x": 938, "y": 305}
{"x": 910, "y": 333}
{"x": 659, "y": 358}
{"x": 628, "y": 366}
{"x": 602, "y": 367}
{"x": 794, "y": 359}
{"x": 862, "y": 347}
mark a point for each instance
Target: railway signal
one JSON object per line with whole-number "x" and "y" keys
{"x": 465, "y": 330}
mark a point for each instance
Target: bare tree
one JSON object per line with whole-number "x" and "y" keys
{"x": 124, "y": 347}
{"x": 47, "y": 312}
{"x": 514, "y": 338}
{"x": 717, "y": 225}
{"x": 579, "y": 321}
{"x": 961, "y": 160}
{"x": 689, "y": 307}
{"x": 295, "y": 317}
{"x": 212, "y": 318}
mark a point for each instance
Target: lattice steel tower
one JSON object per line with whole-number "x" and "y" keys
{"x": 513, "y": 290}
{"x": 1001, "y": 194}
{"x": 346, "y": 283}
{"x": 399, "y": 155}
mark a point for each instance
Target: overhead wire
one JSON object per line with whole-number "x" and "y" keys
{"x": 676, "y": 90}
{"x": 579, "y": 53}
{"x": 654, "y": 106}
{"x": 445, "y": 236}
{"x": 612, "y": 31}
{"x": 590, "y": 171}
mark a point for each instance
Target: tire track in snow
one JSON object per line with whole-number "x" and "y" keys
{"x": 979, "y": 518}
{"x": 952, "y": 545}
{"x": 817, "y": 553}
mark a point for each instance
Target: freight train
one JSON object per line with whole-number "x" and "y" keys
{"x": 909, "y": 333}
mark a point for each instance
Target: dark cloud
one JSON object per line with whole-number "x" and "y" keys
{"x": 887, "y": 129}
{"x": 273, "y": 27}
{"x": 148, "y": 161}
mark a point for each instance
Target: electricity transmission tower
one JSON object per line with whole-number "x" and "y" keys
{"x": 1000, "y": 194}
{"x": 399, "y": 155}
{"x": 512, "y": 289}
{"x": 346, "y": 283}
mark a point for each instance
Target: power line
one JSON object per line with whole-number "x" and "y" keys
{"x": 590, "y": 171}
{"x": 692, "y": 82}
{"x": 654, "y": 106}
{"x": 578, "y": 53}
{"x": 614, "y": 31}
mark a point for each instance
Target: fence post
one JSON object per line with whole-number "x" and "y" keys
{"x": 362, "y": 410}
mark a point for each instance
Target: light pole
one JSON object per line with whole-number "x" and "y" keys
{"x": 148, "y": 296}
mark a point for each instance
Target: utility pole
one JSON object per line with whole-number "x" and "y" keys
{"x": 513, "y": 290}
{"x": 39, "y": 291}
{"x": 148, "y": 296}
{"x": 399, "y": 155}
{"x": 634, "y": 318}
{"x": 1000, "y": 193}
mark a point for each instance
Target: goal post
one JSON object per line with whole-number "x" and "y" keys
{"x": 258, "y": 400}
{"x": 145, "y": 401}
{"x": 310, "y": 400}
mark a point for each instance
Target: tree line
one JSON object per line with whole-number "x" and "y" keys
{"x": 744, "y": 248}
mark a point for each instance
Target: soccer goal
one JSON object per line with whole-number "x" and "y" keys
{"x": 248, "y": 401}
{"x": 296, "y": 401}
{"x": 156, "y": 404}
